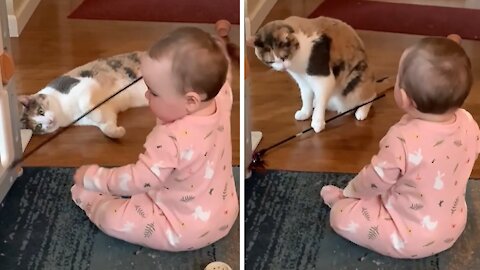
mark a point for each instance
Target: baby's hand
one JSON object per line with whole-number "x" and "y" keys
{"x": 79, "y": 175}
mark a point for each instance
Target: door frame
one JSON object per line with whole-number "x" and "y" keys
{"x": 10, "y": 138}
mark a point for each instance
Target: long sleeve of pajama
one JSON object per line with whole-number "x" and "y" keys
{"x": 182, "y": 193}
{"x": 409, "y": 202}
{"x": 151, "y": 170}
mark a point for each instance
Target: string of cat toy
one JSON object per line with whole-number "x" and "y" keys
{"x": 258, "y": 164}
{"x": 18, "y": 161}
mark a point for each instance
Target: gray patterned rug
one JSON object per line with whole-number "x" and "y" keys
{"x": 287, "y": 227}
{"x": 41, "y": 228}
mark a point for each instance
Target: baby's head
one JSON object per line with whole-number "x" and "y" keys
{"x": 434, "y": 77}
{"x": 183, "y": 71}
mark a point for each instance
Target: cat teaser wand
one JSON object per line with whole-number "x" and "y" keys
{"x": 258, "y": 164}
{"x": 60, "y": 131}
{"x": 222, "y": 28}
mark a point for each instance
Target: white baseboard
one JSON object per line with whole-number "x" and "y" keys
{"x": 17, "y": 21}
{"x": 259, "y": 12}
{"x": 256, "y": 138}
{"x": 26, "y": 135}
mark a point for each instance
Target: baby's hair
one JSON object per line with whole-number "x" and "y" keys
{"x": 436, "y": 74}
{"x": 199, "y": 63}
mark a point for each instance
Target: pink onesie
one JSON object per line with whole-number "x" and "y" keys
{"x": 411, "y": 198}
{"x": 182, "y": 190}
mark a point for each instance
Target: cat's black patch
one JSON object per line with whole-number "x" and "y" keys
{"x": 337, "y": 68}
{"x": 24, "y": 123}
{"x": 319, "y": 61}
{"x": 258, "y": 43}
{"x": 30, "y": 110}
{"x": 283, "y": 44}
{"x": 352, "y": 84}
{"x": 63, "y": 84}
{"x": 134, "y": 58}
{"x": 114, "y": 64}
{"x": 86, "y": 74}
{"x": 360, "y": 66}
{"x": 269, "y": 39}
{"x": 131, "y": 74}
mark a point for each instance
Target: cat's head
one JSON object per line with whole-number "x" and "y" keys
{"x": 36, "y": 114}
{"x": 275, "y": 44}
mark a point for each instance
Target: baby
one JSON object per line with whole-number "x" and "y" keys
{"x": 409, "y": 202}
{"x": 182, "y": 191}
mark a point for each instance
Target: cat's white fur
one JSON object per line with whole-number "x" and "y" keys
{"x": 65, "y": 108}
{"x": 109, "y": 75}
{"x": 316, "y": 91}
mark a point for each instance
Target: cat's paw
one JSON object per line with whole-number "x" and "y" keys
{"x": 118, "y": 132}
{"x": 113, "y": 131}
{"x": 362, "y": 113}
{"x": 318, "y": 125}
{"x": 301, "y": 115}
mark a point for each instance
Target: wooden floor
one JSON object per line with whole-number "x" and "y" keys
{"x": 52, "y": 44}
{"x": 346, "y": 145}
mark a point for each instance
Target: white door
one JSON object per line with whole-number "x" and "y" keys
{"x": 255, "y": 13}
{"x": 10, "y": 141}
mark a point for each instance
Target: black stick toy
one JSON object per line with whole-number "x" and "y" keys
{"x": 258, "y": 164}
{"x": 18, "y": 161}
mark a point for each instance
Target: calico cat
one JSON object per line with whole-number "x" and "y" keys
{"x": 69, "y": 96}
{"x": 326, "y": 58}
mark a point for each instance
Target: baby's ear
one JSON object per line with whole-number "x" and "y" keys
{"x": 250, "y": 42}
{"x": 455, "y": 38}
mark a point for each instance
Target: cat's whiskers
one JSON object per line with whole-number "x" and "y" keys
{"x": 60, "y": 131}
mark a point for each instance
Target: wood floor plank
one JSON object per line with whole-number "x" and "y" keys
{"x": 346, "y": 145}
{"x": 52, "y": 44}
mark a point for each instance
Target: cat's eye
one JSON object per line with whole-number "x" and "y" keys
{"x": 41, "y": 112}
{"x": 284, "y": 44}
{"x": 38, "y": 127}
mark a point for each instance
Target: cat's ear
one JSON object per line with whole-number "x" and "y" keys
{"x": 284, "y": 36}
{"x": 24, "y": 100}
{"x": 23, "y": 122}
{"x": 250, "y": 42}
